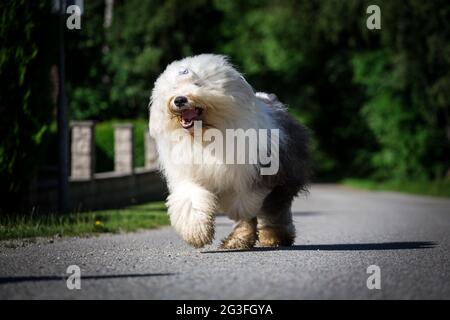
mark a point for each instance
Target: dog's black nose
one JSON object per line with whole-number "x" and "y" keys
{"x": 180, "y": 101}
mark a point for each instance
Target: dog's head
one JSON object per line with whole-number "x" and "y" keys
{"x": 204, "y": 87}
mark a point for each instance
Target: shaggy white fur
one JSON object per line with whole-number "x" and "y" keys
{"x": 199, "y": 191}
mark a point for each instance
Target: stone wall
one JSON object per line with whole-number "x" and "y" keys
{"x": 83, "y": 149}
{"x": 89, "y": 190}
{"x": 123, "y": 148}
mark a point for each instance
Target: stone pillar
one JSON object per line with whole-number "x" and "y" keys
{"x": 83, "y": 149}
{"x": 123, "y": 148}
{"x": 151, "y": 154}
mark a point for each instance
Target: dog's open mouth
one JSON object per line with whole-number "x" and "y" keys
{"x": 188, "y": 116}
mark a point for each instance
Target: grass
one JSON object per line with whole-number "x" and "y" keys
{"x": 145, "y": 216}
{"x": 429, "y": 188}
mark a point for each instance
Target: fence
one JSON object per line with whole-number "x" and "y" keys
{"x": 89, "y": 190}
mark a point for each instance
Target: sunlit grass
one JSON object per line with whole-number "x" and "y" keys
{"x": 145, "y": 216}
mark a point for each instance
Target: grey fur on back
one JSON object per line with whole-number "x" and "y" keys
{"x": 294, "y": 157}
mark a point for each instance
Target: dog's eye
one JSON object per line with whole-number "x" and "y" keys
{"x": 183, "y": 70}
{"x": 197, "y": 84}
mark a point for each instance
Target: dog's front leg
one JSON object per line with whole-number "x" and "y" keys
{"x": 191, "y": 209}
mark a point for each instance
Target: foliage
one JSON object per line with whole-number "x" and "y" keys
{"x": 25, "y": 105}
{"x": 407, "y": 84}
{"x": 87, "y": 87}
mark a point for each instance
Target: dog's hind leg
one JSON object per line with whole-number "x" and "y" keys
{"x": 275, "y": 225}
{"x": 276, "y": 230}
{"x": 243, "y": 235}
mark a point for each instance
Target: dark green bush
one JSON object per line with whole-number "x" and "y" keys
{"x": 25, "y": 107}
{"x": 104, "y": 141}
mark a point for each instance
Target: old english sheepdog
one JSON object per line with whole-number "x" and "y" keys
{"x": 195, "y": 103}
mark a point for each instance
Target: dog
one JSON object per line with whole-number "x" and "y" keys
{"x": 206, "y": 92}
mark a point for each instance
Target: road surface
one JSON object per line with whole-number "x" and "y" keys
{"x": 341, "y": 232}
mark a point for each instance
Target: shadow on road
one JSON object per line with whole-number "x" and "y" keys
{"x": 92, "y": 277}
{"x": 341, "y": 247}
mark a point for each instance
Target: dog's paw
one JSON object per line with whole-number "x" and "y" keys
{"x": 197, "y": 233}
{"x": 232, "y": 243}
{"x": 242, "y": 237}
{"x": 276, "y": 236}
{"x": 194, "y": 226}
{"x": 191, "y": 210}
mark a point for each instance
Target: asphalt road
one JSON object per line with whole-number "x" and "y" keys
{"x": 340, "y": 233}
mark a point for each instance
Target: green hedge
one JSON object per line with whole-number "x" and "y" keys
{"x": 104, "y": 141}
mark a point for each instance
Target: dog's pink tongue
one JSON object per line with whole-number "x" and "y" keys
{"x": 188, "y": 114}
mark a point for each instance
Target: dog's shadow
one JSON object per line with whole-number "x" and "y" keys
{"x": 340, "y": 247}
{"x": 17, "y": 279}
